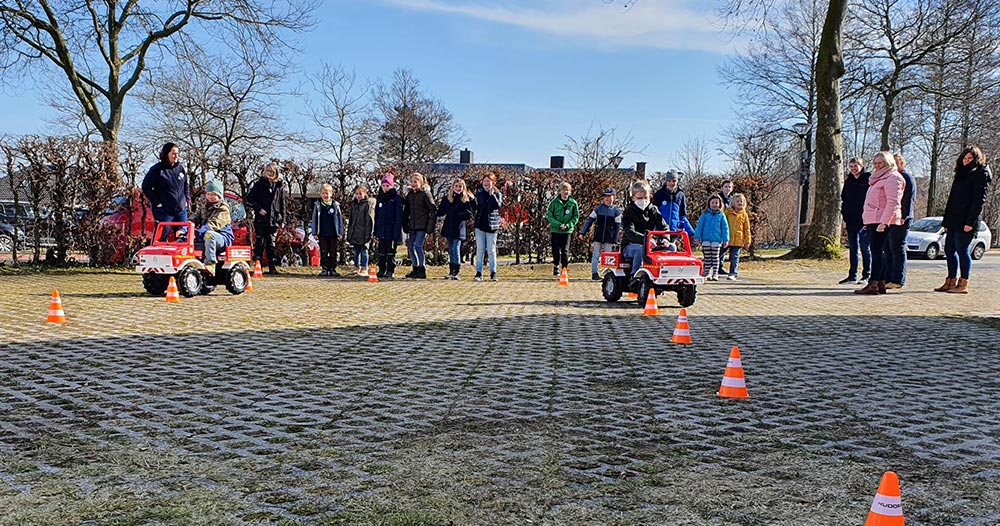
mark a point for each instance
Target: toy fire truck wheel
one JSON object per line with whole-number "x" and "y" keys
{"x": 155, "y": 284}
{"x": 237, "y": 278}
{"x": 611, "y": 287}
{"x": 686, "y": 295}
{"x": 645, "y": 285}
{"x": 189, "y": 282}
{"x": 207, "y": 286}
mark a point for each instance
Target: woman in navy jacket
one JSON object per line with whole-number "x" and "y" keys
{"x": 166, "y": 187}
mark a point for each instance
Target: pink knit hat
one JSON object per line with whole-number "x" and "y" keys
{"x": 388, "y": 179}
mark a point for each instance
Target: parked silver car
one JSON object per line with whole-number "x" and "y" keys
{"x": 926, "y": 237}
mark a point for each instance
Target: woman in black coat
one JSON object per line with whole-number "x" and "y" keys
{"x": 456, "y": 210}
{"x": 961, "y": 216}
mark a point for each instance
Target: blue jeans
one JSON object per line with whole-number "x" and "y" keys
{"x": 415, "y": 247}
{"x": 633, "y": 252}
{"x": 454, "y": 252}
{"x": 159, "y": 216}
{"x": 858, "y": 239}
{"x": 956, "y": 251}
{"x": 214, "y": 242}
{"x": 361, "y": 256}
{"x": 895, "y": 253}
{"x": 486, "y": 242}
{"x": 734, "y": 260}
{"x": 595, "y": 259}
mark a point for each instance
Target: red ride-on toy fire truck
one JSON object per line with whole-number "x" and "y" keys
{"x": 183, "y": 260}
{"x": 667, "y": 264}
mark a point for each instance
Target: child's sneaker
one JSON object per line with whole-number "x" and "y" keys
{"x": 479, "y": 277}
{"x": 324, "y": 274}
{"x": 493, "y": 276}
{"x": 333, "y": 274}
{"x": 731, "y": 277}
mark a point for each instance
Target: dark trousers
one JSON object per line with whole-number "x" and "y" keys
{"x": 386, "y": 257}
{"x": 879, "y": 271}
{"x": 858, "y": 241}
{"x": 956, "y": 251}
{"x": 263, "y": 240}
{"x": 560, "y": 249}
{"x": 895, "y": 253}
{"x": 328, "y": 248}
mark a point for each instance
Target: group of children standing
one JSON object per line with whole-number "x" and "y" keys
{"x": 724, "y": 228}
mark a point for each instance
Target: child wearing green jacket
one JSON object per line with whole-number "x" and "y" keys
{"x": 563, "y": 215}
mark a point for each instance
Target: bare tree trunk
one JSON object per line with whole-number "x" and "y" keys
{"x": 824, "y": 231}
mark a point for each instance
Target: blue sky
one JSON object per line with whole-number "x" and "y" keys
{"x": 520, "y": 75}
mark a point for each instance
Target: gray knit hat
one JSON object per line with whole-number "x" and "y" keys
{"x": 215, "y": 186}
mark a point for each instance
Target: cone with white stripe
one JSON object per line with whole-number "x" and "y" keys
{"x": 564, "y": 278}
{"x": 372, "y": 274}
{"x": 56, "y": 314}
{"x": 682, "y": 333}
{"x": 734, "y": 385}
{"x": 249, "y": 285}
{"x": 173, "y": 295}
{"x": 887, "y": 508}
{"x": 257, "y": 271}
{"x": 651, "y": 309}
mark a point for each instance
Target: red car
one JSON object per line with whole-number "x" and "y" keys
{"x": 182, "y": 260}
{"x": 667, "y": 264}
{"x": 134, "y": 217}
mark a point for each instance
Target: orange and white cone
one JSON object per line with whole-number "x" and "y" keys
{"x": 172, "y": 294}
{"x": 257, "y": 272}
{"x": 564, "y": 278}
{"x": 887, "y": 508}
{"x": 372, "y": 274}
{"x": 56, "y": 314}
{"x": 632, "y": 295}
{"x": 734, "y": 385}
{"x": 651, "y": 309}
{"x": 249, "y": 285}
{"x": 682, "y": 333}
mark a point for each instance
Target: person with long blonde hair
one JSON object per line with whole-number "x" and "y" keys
{"x": 454, "y": 212}
{"x": 883, "y": 207}
{"x": 418, "y": 220}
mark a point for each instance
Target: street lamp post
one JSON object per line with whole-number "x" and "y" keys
{"x": 803, "y": 130}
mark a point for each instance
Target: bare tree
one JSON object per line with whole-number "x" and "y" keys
{"x": 100, "y": 49}
{"x": 894, "y": 39}
{"x": 414, "y": 127}
{"x": 693, "y": 156}
{"x": 347, "y": 127}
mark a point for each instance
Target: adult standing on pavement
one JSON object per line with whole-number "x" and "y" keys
{"x": 487, "y": 206}
{"x": 895, "y": 243}
{"x": 606, "y": 219}
{"x": 388, "y": 225}
{"x": 961, "y": 216}
{"x": 852, "y": 205}
{"x": 166, "y": 188}
{"x": 267, "y": 199}
{"x": 883, "y": 208}
{"x": 672, "y": 204}
{"x": 419, "y": 218}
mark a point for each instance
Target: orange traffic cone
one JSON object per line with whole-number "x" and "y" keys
{"x": 172, "y": 295}
{"x": 682, "y": 333}
{"x": 372, "y": 274}
{"x": 257, "y": 273}
{"x": 887, "y": 508}
{"x": 563, "y": 278}
{"x": 733, "y": 383}
{"x": 249, "y": 285}
{"x": 56, "y": 314}
{"x": 651, "y": 309}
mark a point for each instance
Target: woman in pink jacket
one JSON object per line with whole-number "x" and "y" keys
{"x": 883, "y": 207}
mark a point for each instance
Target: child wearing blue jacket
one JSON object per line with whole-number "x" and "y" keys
{"x": 713, "y": 234}
{"x": 327, "y": 224}
{"x": 607, "y": 222}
